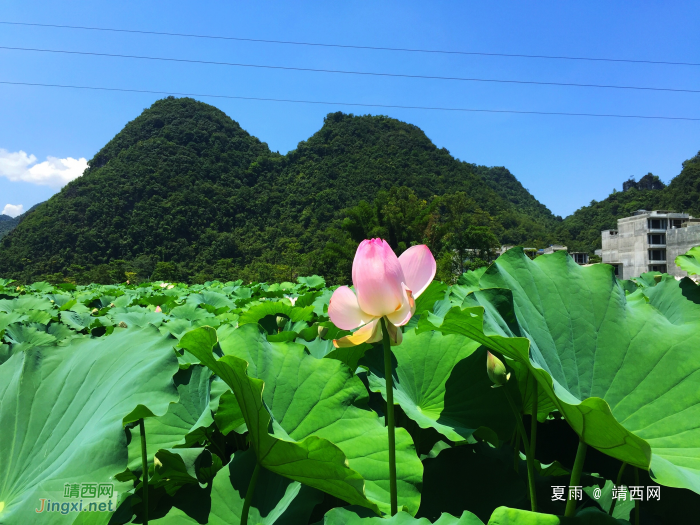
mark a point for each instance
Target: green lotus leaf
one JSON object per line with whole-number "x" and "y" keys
{"x": 526, "y": 385}
{"x": 77, "y": 321}
{"x": 468, "y": 282}
{"x": 25, "y": 304}
{"x": 276, "y": 501}
{"x": 623, "y": 507}
{"x": 258, "y": 311}
{"x": 184, "y": 424}
{"x": 39, "y": 317}
{"x": 434, "y": 292}
{"x": 320, "y": 304}
{"x": 139, "y": 318}
{"x": 322, "y": 397}
{"x": 183, "y": 466}
{"x": 623, "y": 369}
{"x": 229, "y": 417}
{"x": 321, "y": 347}
{"x": 41, "y": 287}
{"x": 176, "y": 327}
{"x": 4, "y": 353}
{"x": 25, "y": 337}
{"x": 62, "y": 412}
{"x": 59, "y": 299}
{"x": 314, "y": 461}
{"x": 440, "y": 381}
{"x": 313, "y": 281}
{"x": 60, "y": 331}
{"x": 215, "y": 299}
{"x": 590, "y": 516}
{"x": 6, "y": 319}
{"x": 92, "y": 518}
{"x": 176, "y": 468}
{"x": 191, "y": 312}
{"x": 350, "y": 516}
{"x": 690, "y": 261}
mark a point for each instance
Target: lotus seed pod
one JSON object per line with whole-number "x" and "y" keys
{"x": 94, "y": 311}
{"x": 281, "y": 321}
{"x": 496, "y": 370}
{"x": 322, "y": 331}
{"x": 122, "y": 325}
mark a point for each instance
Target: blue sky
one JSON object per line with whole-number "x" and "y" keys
{"x": 564, "y": 161}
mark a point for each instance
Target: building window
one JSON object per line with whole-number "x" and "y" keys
{"x": 676, "y": 223}
{"x": 658, "y": 268}
{"x": 616, "y": 268}
{"x": 657, "y": 224}
{"x": 580, "y": 258}
{"x": 657, "y": 255}
{"x": 657, "y": 238}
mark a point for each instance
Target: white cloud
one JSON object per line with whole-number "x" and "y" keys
{"x": 54, "y": 172}
{"x": 13, "y": 210}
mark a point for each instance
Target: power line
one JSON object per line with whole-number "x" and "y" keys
{"x": 359, "y": 104}
{"x": 348, "y": 46}
{"x": 346, "y": 72}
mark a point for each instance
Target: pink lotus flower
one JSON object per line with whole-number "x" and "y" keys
{"x": 385, "y": 286}
{"x": 158, "y": 310}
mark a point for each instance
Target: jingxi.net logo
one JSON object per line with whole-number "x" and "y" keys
{"x": 81, "y": 497}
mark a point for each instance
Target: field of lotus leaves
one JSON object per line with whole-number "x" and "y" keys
{"x": 225, "y": 387}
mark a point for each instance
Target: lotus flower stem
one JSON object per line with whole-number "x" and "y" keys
{"x": 249, "y": 494}
{"x": 617, "y": 484}
{"x": 576, "y": 477}
{"x": 144, "y": 466}
{"x": 388, "y": 371}
{"x": 528, "y": 452}
{"x": 533, "y": 421}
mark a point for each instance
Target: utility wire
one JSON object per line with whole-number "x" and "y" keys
{"x": 346, "y": 72}
{"x": 347, "y": 46}
{"x": 392, "y": 106}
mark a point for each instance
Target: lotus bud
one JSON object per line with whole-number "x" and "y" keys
{"x": 281, "y": 321}
{"x": 322, "y": 331}
{"x": 17, "y": 289}
{"x": 496, "y": 370}
{"x": 158, "y": 310}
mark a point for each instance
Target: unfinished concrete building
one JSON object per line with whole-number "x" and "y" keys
{"x": 649, "y": 241}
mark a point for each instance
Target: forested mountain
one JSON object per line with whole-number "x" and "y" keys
{"x": 182, "y": 192}
{"x": 7, "y": 224}
{"x": 581, "y": 230}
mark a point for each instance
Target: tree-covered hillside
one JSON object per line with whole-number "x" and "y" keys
{"x": 182, "y": 192}
{"x": 581, "y": 230}
{"x": 7, "y": 224}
